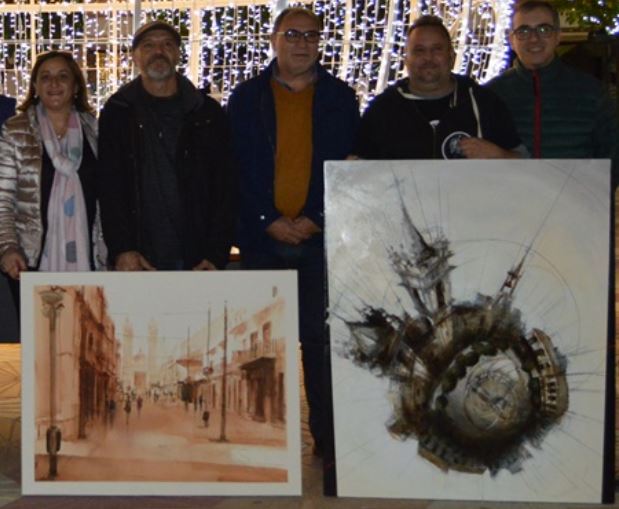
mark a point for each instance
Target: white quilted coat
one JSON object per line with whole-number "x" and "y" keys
{"x": 21, "y": 159}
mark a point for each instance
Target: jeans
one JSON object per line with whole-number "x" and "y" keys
{"x": 308, "y": 261}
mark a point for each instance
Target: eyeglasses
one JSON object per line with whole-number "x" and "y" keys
{"x": 543, "y": 31}
{"x": 293, "y": 36}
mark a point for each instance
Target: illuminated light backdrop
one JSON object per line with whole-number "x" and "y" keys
{"x": 227, "y": 42}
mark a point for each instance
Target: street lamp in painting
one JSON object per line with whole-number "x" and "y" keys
{"x": 224, "y": 373}
{"x": 52, "y": 304}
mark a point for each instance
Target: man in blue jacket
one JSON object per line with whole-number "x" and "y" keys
{"x": 7, "y": 108}
{"x": 8, "y": 319}
{"x": 285, "y": 123}
{"x": 559, "y": 112}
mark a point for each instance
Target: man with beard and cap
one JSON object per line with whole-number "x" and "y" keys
{"x": 166, "y": 180}
{"x": 434, "y": 113}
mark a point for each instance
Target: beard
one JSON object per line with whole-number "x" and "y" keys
{"x": 159, "y": 72}
{"x": 429, "y": 72}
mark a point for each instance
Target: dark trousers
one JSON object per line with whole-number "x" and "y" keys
{"x": 13, "y": 285}
{"x": 308, "y": 261}
{"x": 12, "y": 316}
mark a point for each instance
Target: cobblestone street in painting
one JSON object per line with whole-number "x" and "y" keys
{"x": 167, "y": 442}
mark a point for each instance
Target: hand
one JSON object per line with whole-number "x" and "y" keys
{"x": 476, "y": 148}
{"x": 12, "y": 263}
{"x": 132, "y": 260}
{"x": 305, "y": 225}
{"x": 205, "y": 265}
{"x": 353, "y": 157}
{"x": 284, "y": 230}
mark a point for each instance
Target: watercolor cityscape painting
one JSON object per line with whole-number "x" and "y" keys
{"x": 468, "y": 318}
{"x": 160, "y": 383}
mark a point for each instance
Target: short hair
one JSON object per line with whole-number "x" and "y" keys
{"x": 290, "y": 11}
{"x": 80, "y": 100}
{"x": 530, "y": 5}
{"x": 429, "y": 20}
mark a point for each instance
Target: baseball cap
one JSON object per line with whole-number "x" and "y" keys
{"x": 154, "y": 25}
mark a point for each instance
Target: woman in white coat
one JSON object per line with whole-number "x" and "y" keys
{"x": 48, "y": 158}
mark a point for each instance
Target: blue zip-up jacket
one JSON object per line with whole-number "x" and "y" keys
{"x": 7, "y": 108}
{"x": 251, "y": 110}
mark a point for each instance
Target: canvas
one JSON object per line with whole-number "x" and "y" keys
{"x": 468, "y": 318}
{"x": 160, "y": 383}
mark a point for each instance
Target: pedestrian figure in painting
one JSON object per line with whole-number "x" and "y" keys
{"x": 140, "y": 402}
{"x": 200, "y": 401}
{"x": 111, "y": 411}
{"x": 127, "y": 409}
{"x": 205, "y": 417}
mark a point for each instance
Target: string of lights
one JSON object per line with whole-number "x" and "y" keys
{"x": 227, "y": 42}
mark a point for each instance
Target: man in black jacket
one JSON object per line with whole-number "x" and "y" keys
{"x": 434, "y": 113}
{"x": 166, "y": 181}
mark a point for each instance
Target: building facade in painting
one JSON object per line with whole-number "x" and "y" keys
{"x": 254, "y": 372}
{"x": 85, "y": 364}
{"x": 153, "y": 352}
{"x": 127, "y": 354}
{"x": 169, "y": 374}
{"x": 140, "y": 376}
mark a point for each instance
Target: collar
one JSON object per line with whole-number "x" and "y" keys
{"x": 404, "y": 91}
{"x": 275, "y": 75}
{"x": 269, "y": 71}
{"x": 547, "y": 72}
{"x": 185, "y": 92}
{"x": 133, "y": 91}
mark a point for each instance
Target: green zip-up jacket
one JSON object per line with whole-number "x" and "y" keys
{"x": 576, "y": 117}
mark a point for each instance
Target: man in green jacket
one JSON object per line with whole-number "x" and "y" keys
{"x": 559, "y": 112}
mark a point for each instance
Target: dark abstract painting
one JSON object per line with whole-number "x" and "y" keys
{"x": 468, "y": 306}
